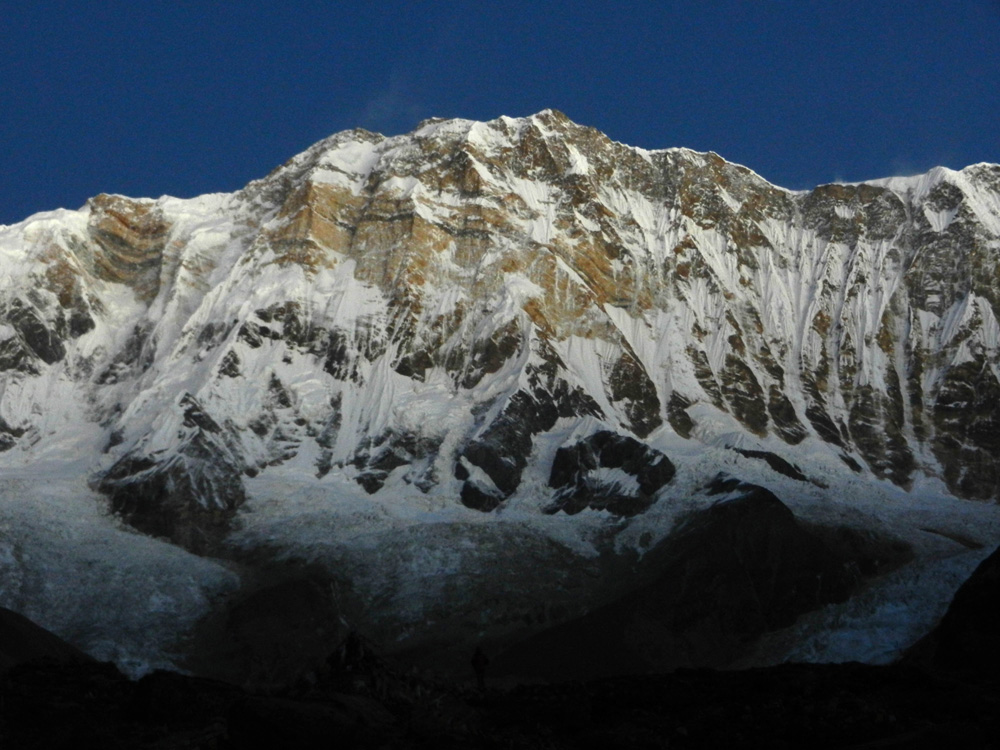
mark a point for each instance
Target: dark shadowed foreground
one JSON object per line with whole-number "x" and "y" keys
{"x": 944, "y": 694}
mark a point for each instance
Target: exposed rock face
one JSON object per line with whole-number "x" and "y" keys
{"x": 417, "y": 311}
{"x": 777, "y": 463}
{"x": 608, "y": 472}
{"x": 128, "y": 239}
{"x": 188, "y": 498}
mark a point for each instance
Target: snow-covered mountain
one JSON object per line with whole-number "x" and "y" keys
{"x": 519, "y": 328}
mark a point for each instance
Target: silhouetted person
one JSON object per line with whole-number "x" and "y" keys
{"x": 352, "y": 652}
{"x": 479, "y": 663}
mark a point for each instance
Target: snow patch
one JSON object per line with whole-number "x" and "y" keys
{"x": 940, "y": 219}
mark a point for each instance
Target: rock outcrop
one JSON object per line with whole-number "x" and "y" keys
{"x": 609, "y": 472}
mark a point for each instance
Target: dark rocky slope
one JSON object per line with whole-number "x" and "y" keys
{"x": 356, "y": 699}
{"x": 728, "y": 574}
{"x": 22, "y": 641}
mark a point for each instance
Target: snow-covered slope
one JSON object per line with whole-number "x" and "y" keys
{"x": 421, "y": 324}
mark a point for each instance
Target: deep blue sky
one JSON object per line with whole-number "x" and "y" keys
{"x": 181, "y": 98}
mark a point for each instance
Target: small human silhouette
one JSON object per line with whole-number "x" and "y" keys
{"x": 479, "y": 663}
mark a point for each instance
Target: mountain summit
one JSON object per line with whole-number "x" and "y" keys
{"x": 517, "y": 316}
